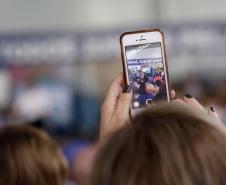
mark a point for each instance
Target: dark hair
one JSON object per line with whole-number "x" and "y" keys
{"x": 29, "y": 156}
{"x": 166, "y": 145}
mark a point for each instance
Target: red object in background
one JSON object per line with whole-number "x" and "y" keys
{"x": 158, "y": 78}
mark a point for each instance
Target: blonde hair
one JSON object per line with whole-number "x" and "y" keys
{"x": 165, "y": 145}
{"x": 30, "y": 157}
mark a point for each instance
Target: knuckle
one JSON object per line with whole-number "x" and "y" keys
{"x": 119, "y": 120}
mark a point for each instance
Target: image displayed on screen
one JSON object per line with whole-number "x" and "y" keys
{"x": 146, "y": 74}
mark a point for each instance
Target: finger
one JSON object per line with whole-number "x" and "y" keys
{"x": 116, "y": 85}
{"x": 177, "y": 100}
{"x": 193, "y": 102}
{"x": 121, "y": 114}
{"x": 111, "y": 99}
{"x": 211, "y": 111}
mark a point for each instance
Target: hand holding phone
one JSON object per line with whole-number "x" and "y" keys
{"x": 115, "y": 108}
{"x": 145, "y": 67}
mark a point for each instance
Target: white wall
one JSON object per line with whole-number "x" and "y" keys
{"x": 193, "y": 10}
{"x": 103, "y": 14}
{"x": 70, "y": 14}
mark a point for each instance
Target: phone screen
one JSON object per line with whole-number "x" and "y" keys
{"x": 146, "y": 74}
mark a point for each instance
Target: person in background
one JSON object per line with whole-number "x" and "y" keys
{"x": 28, "y": 156}
{"x": 170, "y": 144}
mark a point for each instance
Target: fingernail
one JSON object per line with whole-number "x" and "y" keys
{"x": 126, "y": 89}
{"x": 188, "y": 96}
{"x": 212, "y": 109}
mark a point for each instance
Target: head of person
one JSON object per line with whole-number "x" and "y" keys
{"x": 166, "y": 145}
{"x": 150, "y": 88}
{"x": 28, "y": 156}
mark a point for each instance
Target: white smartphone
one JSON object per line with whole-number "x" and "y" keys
{"x": 145, "y": 67}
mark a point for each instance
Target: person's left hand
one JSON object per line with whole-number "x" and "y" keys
{"x": 115, "y": 108}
